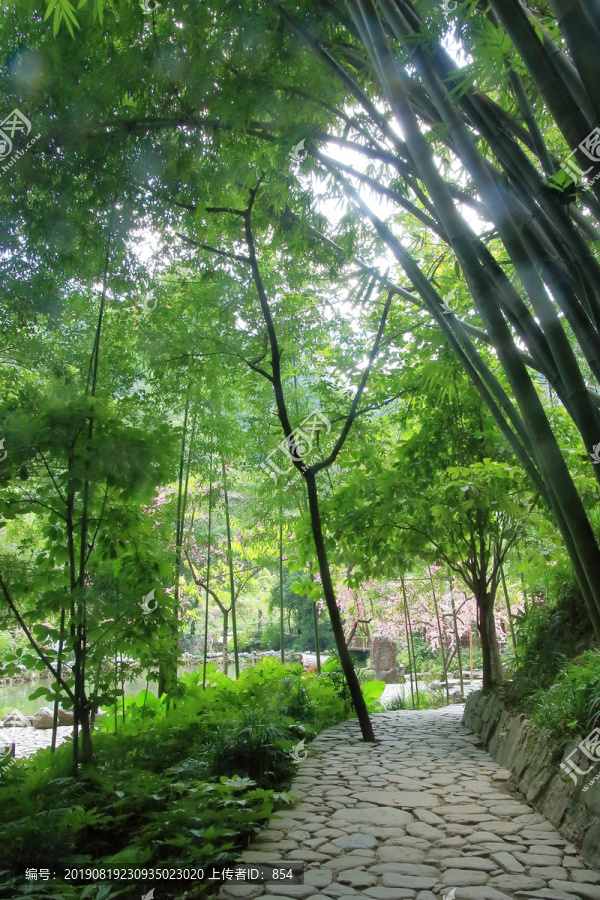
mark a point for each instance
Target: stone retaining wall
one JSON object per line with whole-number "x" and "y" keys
{"x": 534, "y": 758}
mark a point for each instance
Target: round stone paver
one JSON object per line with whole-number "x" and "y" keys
{"x": 29, "y": 740}
{"x": 417, "y": 815}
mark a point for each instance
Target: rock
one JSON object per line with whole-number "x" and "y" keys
{"x": 398, "y": 799}
{"x": 43, "y": 718}
{"x": 65, "y": 717}
{"x": 355, "y": 841}
{"x": 383, "y": 659}
{"x": 458, "y": 697}
{"x": 508, "y": 862}
{"x": 16, "y": 719}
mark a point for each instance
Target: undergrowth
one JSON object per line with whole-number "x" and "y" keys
{"x": 556, "y": 673}
{"x": 184, "y": 788}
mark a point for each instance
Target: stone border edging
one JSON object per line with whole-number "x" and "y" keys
{"x": 534, "y": 758}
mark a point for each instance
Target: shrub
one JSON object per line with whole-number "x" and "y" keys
{"x": 547, "y": 638}
{"x": 572, "y": 704}
{"x": 187, "y": 786}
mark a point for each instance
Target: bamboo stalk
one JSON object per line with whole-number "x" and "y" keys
{"x": 59, "y": 672}
{"x": 548, "y": 456}
{"x": 210, "y": 490}
{"x": 281, "y": 628}
{"x": 439, "y": 625}
{"x": 471, "y": 652}
{"x": 458, "y": 653}
{"x": 231, "y": 582}
{"x": 506, "y": 598}
{"x": 412, "y": 664}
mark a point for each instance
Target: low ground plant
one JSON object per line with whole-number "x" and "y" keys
{"x": 185, "y": 787}
{"x": 428, "y": 699}
{"x": 572, "y": 704}
{"x": 555, "y": 670}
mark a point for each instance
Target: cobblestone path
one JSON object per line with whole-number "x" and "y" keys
{"x": 421, "y": 814}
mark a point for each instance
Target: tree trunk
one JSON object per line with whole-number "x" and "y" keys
{"x": 230, "y": 567}
{"x": 316, "y": 630}
{"x": 225, "y": 654}
{"x": 492, "y": 665}
{"x": 281, "y": 630}
{"x": 439, "y": 625}
{"x": 508, "y": 609}
{"x": 205, "y": 647}
{"x": 87, "y": 749}
{"x": 456, "y": 637}
{"x": 334, "y": 614}
{"x": 492, "y": 303}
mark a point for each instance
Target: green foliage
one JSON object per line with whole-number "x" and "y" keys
{"x": 547, "y": 638}
{"x": 258, "y": 749}
{"x": 424, "y": 657}
{"x": 10, "y": 643}
{"x": 298, "y": 612}
{"x": 371, "y": 690}
{"x": 428, "y": 699}
{"x": 179, "y": 787}
{"x": 572, "y": 704}
{"x": 396, "y": 703}
{"x": 431, "y": 699}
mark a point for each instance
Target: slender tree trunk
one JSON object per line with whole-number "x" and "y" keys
{"x": 230, "y": 564}
{"x": 411, "y": 665}
{"x": 87, "y": 749}
{"x": 315, "y": 617}
{"x": 59, "y": 670}
{"x": 316, "y": 630}
{"x": 456, "y": 637}
{"x": 207, "y": 572}
{"x": 116, "y": 677}
{"x": 410, "y": 637}
{"x": 471, "y": 652}
{"x": 334, "y": 614}
{"x": 167, "y": 678}
{"x": 497, "y": 673}
{"x": 439, "y": 625}
{"x": 281, "y": 630}
{"x": 225, "y": 653}
{"x": 508, "y": 610}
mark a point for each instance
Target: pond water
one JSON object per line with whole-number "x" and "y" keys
{"x": 16, "y": 696}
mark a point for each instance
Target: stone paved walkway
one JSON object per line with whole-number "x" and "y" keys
{"x": 30, "y": 740}
{"x": 421, "y": 814}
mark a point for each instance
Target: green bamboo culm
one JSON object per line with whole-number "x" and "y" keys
{"x": 210, "y": 491}
{"x": 230, "y": 565}
{"x": 281, "y": 628}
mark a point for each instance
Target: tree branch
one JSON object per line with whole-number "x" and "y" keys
{"x": 33, "y": 642}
